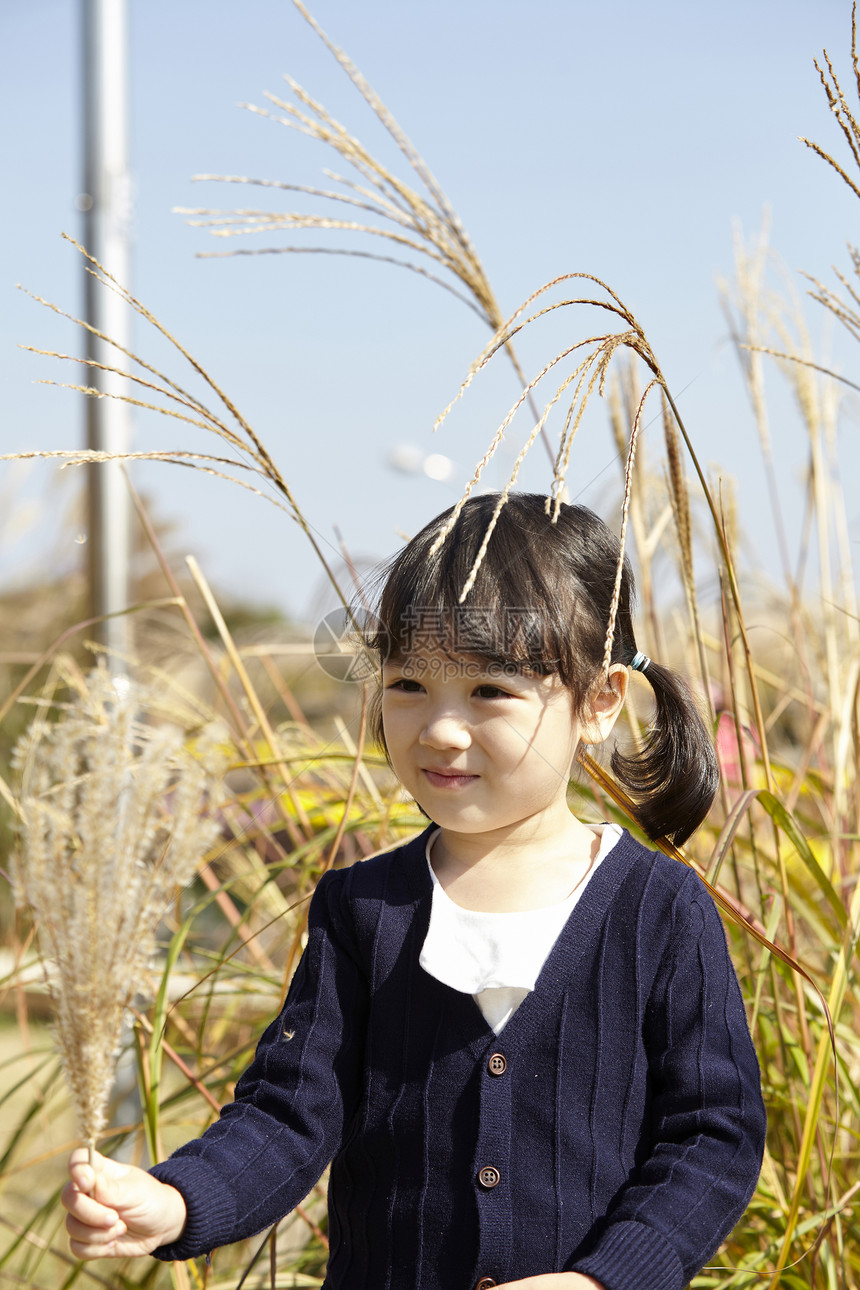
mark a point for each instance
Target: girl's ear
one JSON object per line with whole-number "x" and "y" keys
{"x": 605, "y": 705}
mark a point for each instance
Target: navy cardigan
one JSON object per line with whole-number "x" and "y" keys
{"x": 615, "y": 1127}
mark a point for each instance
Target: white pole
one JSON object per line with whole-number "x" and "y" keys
{"x": 107, "y": 203}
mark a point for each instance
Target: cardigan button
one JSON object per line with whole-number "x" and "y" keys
{"x": 489, "y": 1177}
{"x": 497, "y": 1065}
{"x": 485, "y": 1283}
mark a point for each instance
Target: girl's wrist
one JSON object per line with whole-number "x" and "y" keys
{"x": 175, "y": 1214}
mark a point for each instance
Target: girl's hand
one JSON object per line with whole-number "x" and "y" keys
{"x": 118, "y": 1211}
{"x": 555, "y": 1281}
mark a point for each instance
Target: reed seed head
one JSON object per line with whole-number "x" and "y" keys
{"x": 116, "y": 815}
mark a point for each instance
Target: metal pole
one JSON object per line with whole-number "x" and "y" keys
{"x": 107, "y": 205}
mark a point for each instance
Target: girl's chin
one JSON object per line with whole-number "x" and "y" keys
{"x": 452, "y": 820}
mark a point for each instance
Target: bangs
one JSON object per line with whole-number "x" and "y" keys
{"x": 505, "y": 637}
{"x": 528, "y": 606}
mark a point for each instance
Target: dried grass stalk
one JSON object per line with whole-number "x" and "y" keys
{"x": 116, "y": 815}
{"x": 588, "y": 375}
{"x": 412, "y": 216}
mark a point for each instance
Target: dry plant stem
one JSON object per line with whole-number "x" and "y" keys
{"x": 40, "y": 1243}
{"x": 182, "y": 604}
{"x": 182, "y": 396}
{"x": 205, "y": 422}
{"x": 235, "y": 919}
{"x": 318, "y": 250}
{"x": 730, "y": 904}
{"x": 254, "y": 701}
{"x": 220, "y": 681}
{"x": 724, "y": 792}
{"x": 296, "y": 945}
{"x": 699, "y": 645}
{"x": 427, "y": 225}
{"x": 777, "y": 841}
{"x": 680, "y": 501}
{"x": 366, "y": 777}
{"x": 733, "y": 586}
{"x": 749, "y": 275}
{"x": 837, "y": 994}
{"x": 46, "y": 656}
{"x": 350, "y": 564}
{"x": 742, "y": 757}
{"x": 625, "y": 510}
{"x": 516, "y": 323}
{"x": 823, "y": 506}
{"x": 406, "y": 147}
{"x": 810, "y": 753}
{"x": 805, "y": 535}
{"x": 284, "y": 692}
{"x": 254, "y": 444}
{"x": 19, "y": 952}
{"x": 840, "y": 109}
{"x": 353, "y": 782}
{"x": 806, "y": 362}
{"x": 181, "y": 1066}
{"x": 596, "y": 363}
{"x": 625, "y": 391}
{"x": 855, "y": 737}
{"x": 819, "y": 415}
{"x": 102, "y": 275}
{"x": 191, "y": 460}
{"x": 596, "y": 359}
{"x": 767, "y": 676}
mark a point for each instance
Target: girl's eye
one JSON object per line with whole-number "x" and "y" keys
{"x": 491, "y": 692}
{"x": 405, "y": 685}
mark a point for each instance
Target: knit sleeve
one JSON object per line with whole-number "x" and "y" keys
{"x": 707, "y": 1122}
{"x": 292, "y": 1105}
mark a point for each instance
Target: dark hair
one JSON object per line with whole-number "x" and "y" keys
{"x": 541, "y": 603}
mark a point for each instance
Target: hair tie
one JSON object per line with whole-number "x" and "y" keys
{"x": 640, "y": 662}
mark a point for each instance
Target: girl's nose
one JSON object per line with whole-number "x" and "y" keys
{"x": 445, "y": 729}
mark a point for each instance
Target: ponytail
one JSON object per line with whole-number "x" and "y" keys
{"x": 674, "y": 778}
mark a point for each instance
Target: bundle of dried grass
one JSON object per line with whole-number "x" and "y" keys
{"x": 115, "y": 815}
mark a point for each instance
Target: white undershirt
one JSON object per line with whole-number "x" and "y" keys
{"x": 497, "y": 957}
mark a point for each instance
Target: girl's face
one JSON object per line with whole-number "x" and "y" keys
{"x": 481, "y": 749}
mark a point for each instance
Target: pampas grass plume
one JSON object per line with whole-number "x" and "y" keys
{"x": 116, "y": 815}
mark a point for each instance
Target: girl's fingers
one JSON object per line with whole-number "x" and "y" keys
{"x": 81, "y": 1156}
{"x": 104, "y": 1178}
{"x": 82, "y": 1176}
{"x": 82, "y": 1173}
{"x": 84, "y": 1234}
{"x": 91, "y": 1212}
{"x": 81, "y": 1250}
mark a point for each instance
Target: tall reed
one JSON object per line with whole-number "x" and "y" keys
{"x": 115, "y": 815}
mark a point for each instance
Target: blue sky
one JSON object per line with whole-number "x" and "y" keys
{"x": 620, "y": 140}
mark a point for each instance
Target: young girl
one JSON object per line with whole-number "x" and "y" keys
{"x": 518, "y": 1039}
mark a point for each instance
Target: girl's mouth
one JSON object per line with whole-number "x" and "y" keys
{"x": 448, "y": 779}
